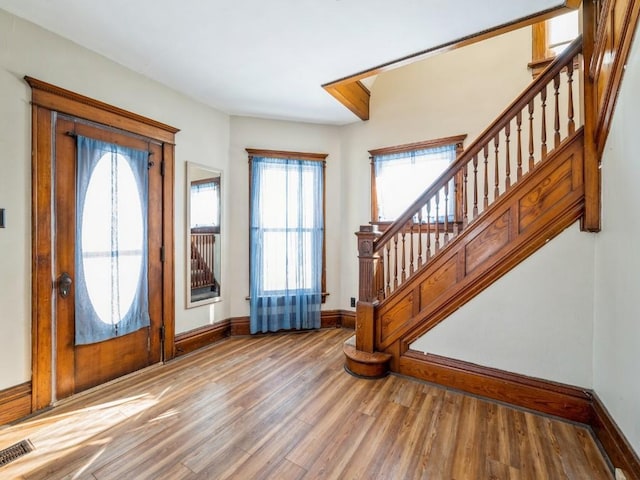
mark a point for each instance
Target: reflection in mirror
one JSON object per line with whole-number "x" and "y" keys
{"x": 203, "y": 235}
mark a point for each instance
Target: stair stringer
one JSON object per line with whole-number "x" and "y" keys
{"x": 540, "y": 206}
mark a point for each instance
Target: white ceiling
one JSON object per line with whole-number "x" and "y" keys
{"x": 265, "y": 58}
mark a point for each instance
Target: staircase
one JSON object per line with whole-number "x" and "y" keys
{"x": 521, "y": 182}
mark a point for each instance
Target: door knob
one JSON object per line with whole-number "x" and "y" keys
{"x": 64, "y": 284}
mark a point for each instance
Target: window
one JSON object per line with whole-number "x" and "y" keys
{"x": 551, "y": 37}
{"x": 286, "y": 240}
{"x": 400, "y": 174}
{"x": 205, "y": 205}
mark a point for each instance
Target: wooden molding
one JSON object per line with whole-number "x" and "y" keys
{"x": 613, "y": 39}
{"x": 351, "y": 93}
{"x": 187, "y": 342}
{"x": 568, "y": 402}
{"x": 331, "y": 319}
{"x": 239, "y": 326}
{"x": 456, "y": 140}
{"x": 15, "y": 403}
{"x": 613, "y": 441}
{"x": 256, "y": 152}
{"x": 46, "y": 99}
{"x": 65, "y": 101}
{"x": 592, "y": 175}
{"x": 348, "y": 319}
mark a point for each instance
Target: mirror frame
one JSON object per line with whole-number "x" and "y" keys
{"x": 190, "y": 168}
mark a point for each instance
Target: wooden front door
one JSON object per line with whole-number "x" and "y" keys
{"x": 81, "y": 364}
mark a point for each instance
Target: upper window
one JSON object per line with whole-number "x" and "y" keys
{"x": 205, "y": 205}
{"x": 400, "y": 174}
{"x": 551, "y": 37}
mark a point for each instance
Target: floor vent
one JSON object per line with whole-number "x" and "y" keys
{"x": 14, "y": 452}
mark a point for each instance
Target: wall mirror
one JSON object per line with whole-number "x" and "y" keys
{"x": 203, "y": 240}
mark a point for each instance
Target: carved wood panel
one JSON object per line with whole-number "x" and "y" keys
{"x": 549, "y": 200}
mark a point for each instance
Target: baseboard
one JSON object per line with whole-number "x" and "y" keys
{"x": 348, "y": 319}
{"x": 236, "y": 326}
{"x": 15, "y": 403}
{"x": 328, "y": 319}
{"x": 200, "y": 337}
{"x": 564, "y": 401}
{"x": 239, "y": 326}
{"x": 613, "y": 441}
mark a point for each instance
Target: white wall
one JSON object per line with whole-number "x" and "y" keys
{"x": 617, "y": 263}
{"x": 279, "y": 135}
{"x": 29, "y": 50}
{"x": 455, "y": 93}
{"x": 537, "y": 320}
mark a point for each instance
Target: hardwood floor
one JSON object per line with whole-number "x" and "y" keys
{"x": 282, "y": 407}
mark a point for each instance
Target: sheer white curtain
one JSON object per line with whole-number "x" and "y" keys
{"x": 402, "y": 177}
{"x": 286, "y": 236}
{"x": 111, "y": 294}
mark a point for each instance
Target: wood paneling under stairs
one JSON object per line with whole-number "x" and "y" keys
{"x": 282, "y": 407}
{"x": 539, "y": 207}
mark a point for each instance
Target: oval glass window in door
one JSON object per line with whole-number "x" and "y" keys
{"x": 112, "y": 238}
{"x": 111, "y": 255}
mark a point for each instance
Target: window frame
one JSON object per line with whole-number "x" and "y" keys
{"x": 541, "y": 53}
{"x": 290, "y": 155}
{"x": 457, "y": 140}
{"x": 212, "y": 228}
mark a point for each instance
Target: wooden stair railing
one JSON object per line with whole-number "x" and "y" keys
{"x": 542, "y": 119}
{"x": 202, "y": 260}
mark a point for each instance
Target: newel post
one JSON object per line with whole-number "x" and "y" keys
{"x": 367, "y": 290}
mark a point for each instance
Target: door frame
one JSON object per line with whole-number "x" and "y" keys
{"x": 47, "y": 101}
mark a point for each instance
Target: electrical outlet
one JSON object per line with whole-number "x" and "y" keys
{"x": 620, "y": 475}
{"x": 353, "y": 301}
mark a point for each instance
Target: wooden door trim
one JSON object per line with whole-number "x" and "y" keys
{"x": 47, "y": 101}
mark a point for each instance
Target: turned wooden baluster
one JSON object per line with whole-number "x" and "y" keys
{"x": 572, "y": 126}
{"x": 411, "y": 259}
{"x": 507, "y": 179}
{"x": 388, "y": 270}
{"x": 486, "y": 177}
{"x": 556, "y": 120}
{"x": 543, "y": 137}
{"x": 428, "y": 230}
{"x": 437, "y": 221}
{"x": 419, "y": 238}
{"x": 395, "y": 261}
{"x": 531, "y": 158}
{"x": 465, "y": 206}
{"x": 403, "y": 275}
{"x": 456, "y": 220}
{"x": 496, "y": 190}
{"x": 446, "y": 213}
{"x": 519, "y": 153}
{"x": 475, "y": 185}
{"x": 379, "y": 280}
